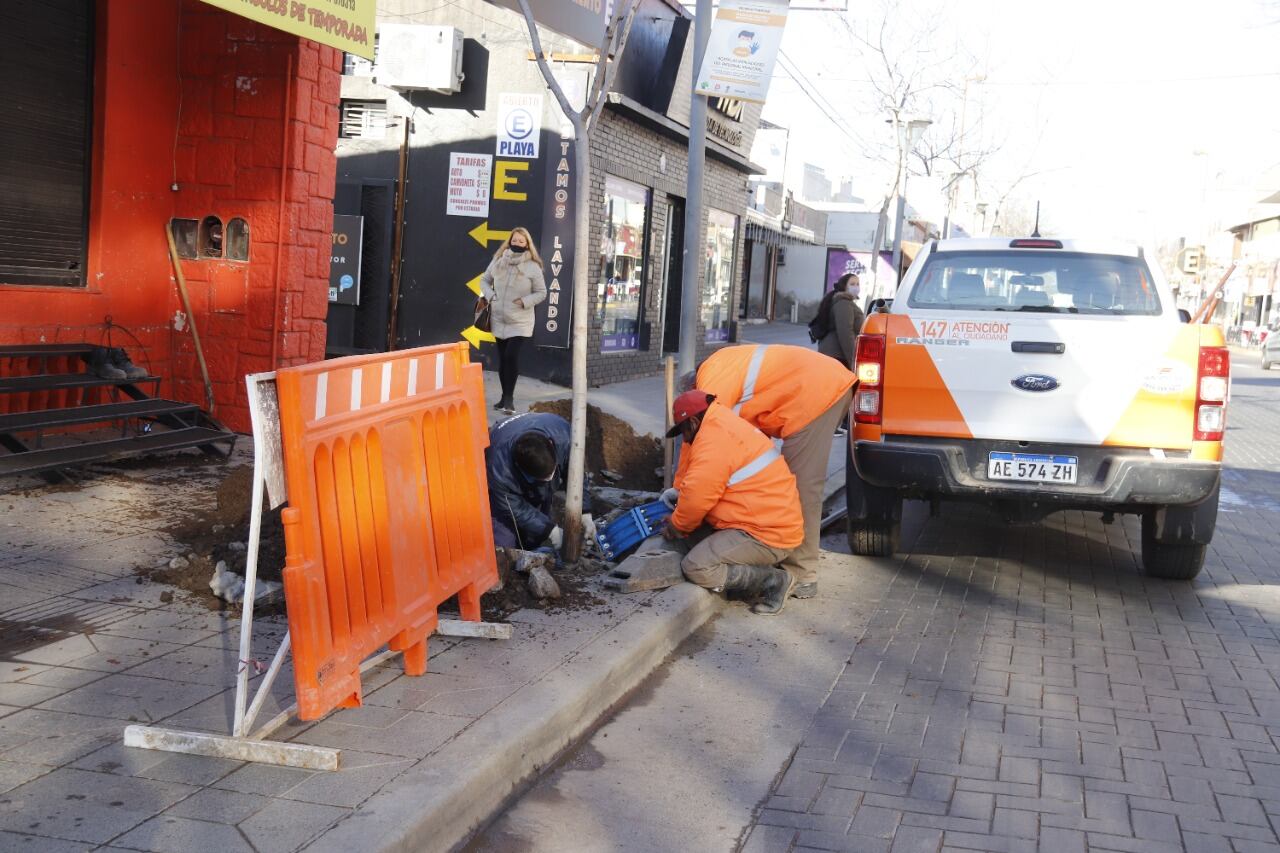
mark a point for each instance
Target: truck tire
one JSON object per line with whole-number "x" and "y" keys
{"x": 1266, "y": 364}
{"x": 873, "y": 540}
{"x": 1174, "y": 562}
{"x": 874, "y": 514}
{"x": 1175, "y": 538}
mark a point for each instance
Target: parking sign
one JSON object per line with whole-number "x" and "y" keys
{"x": 519, "y": 125}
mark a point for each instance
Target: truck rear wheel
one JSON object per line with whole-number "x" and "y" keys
{"x": 873, "y": 540}
{"x": 1174, "y": 562}
{"x": 1175, "y": 539}
{"x": 874, "y": 514}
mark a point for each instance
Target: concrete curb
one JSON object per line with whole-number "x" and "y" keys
{"x": 441, "y": 802}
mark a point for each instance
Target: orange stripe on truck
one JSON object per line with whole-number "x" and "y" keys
{"x": 916, "y": 399}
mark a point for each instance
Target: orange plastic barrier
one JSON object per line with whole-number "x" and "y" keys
{"x": 388, "y": 510}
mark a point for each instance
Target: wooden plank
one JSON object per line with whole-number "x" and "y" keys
{"x": 299, "y": 755}
{"x": 482, "y": 630}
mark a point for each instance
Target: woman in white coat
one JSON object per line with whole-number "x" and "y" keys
{"x": 511, "y": 286}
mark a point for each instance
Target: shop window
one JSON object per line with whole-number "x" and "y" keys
{"x": 237, "y": 240}
{"x": 210, "y": 239}
{"x": 363, "y": 120}
{"x": 722, "y": 239}
{"x": 185, "y": 237}
{"x": 622, "y": 253}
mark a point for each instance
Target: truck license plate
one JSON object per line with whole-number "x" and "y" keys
{"x": 1033, "y": 468}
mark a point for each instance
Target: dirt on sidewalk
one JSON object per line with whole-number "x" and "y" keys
{"x": 612, "y": 445}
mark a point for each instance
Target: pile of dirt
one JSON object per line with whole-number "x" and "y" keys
{"x": 213, "y": 535}
{"x": 612, "y": 445}
{"x": 513, "y": 593}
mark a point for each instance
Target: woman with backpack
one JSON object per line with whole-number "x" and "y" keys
{"x": 839, "y": 321}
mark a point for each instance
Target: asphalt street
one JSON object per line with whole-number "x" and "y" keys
{"x": 994, "y": 687}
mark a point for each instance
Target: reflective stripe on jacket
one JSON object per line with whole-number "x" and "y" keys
{"x": 779, "y": 388}
{"x": 733, "y": 477}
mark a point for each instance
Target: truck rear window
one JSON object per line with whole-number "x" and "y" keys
{"x": 1050, "y": 282}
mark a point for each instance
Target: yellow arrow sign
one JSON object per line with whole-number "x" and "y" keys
{"x": 474, "y": 284}
{"x": 483, "y": 235}
{"x": 474, "y": 336}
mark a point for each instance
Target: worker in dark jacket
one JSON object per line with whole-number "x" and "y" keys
{"x": 526, "y": 462}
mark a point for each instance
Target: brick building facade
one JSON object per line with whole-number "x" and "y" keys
{"x": 206, "y": 119}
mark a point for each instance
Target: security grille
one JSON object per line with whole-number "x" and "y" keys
{"x": 364, "y": 119}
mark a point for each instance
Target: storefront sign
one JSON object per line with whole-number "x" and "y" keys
{"x": 584, "y": 21}
{"x": 468, "y": 187}
{"x": 347, "y": 25}
{"x": 519, "y": 125}
{"x": 553, "y": 316}
{"x": 344, "y": 263}
{"x": 841, "y": 262}
{"x": 744, "y": 44}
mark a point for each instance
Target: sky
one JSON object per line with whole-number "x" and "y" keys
{"x": 1128, "y": 118}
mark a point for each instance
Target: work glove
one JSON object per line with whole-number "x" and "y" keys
{"x": 669, "y": 497}
{"x": 588, "y": 528}
{"x": 556, "y": 537}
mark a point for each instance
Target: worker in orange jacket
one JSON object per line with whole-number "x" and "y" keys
{"x": 736, "y": 509}
{"x": 796, "y": 395}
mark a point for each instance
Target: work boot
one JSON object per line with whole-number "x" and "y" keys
{"x": 805, "y": 590}
{"x": 775, "y": 590}
{"x": 100, "y": 364}
{"x": 120, "y": 360}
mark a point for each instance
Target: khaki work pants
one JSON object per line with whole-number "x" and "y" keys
{"x": 710, "y": 552}
{"x": 807, "y": 453}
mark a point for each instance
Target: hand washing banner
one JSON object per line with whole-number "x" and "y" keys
{"x": 744, "y": 44}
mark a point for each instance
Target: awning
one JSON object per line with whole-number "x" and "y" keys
{"x": 349, "y": 29}
{"x": 762, "y": 228}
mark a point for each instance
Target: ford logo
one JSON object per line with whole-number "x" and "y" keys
{"x": 1035, "y": 382}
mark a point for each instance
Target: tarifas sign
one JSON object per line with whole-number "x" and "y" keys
{"x": 345, "y": 24}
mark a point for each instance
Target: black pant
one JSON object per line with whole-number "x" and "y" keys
{"x": 509, "y": 365}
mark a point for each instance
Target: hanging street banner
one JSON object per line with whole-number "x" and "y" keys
{"x": 744, "y": 44}
{"x": 347, "y": 25}
{"x": 553, "y": 316}
{"x": 468, "y": 186}
{"x": 519, "y": 124}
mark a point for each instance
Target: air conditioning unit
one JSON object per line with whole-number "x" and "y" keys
{"x": 416, "y": 56}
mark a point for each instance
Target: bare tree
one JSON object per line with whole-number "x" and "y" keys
{"x": 915, "y": 67}
{"x": 584, "y": 122}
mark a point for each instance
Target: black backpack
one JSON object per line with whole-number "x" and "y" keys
{"x": 820, "y": 325}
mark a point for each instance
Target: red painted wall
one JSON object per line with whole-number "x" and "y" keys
{"x": 232, "y": 112}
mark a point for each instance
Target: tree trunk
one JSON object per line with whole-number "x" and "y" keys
{"x": 578, "y": 422}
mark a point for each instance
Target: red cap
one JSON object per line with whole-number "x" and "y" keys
{"x": 687, "y": 405}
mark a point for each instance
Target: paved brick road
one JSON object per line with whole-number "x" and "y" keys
{"x": 1027, "y": 689}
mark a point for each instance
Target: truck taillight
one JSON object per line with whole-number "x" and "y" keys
{"x": 1213, "y": 382}
{"x": 868, "y": 364}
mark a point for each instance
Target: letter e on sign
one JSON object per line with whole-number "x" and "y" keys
{"x": 504, "y": 184}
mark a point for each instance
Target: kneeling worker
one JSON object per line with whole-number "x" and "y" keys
{"x": 796, "y": 395}
{"x": 736, "y": 507}
{"x": 526, "y": 462}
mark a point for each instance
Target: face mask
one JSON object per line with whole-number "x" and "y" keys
{"x": 519, "y": 250}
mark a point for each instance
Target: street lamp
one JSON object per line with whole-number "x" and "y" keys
{"x": 909, "y": 133}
